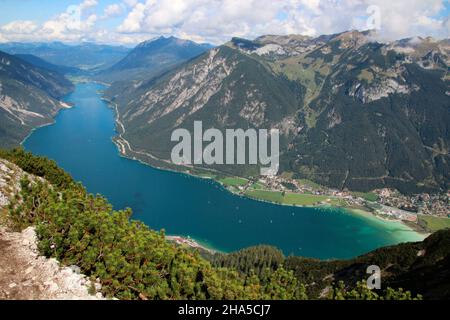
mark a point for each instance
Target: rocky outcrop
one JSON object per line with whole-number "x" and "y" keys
{"x": 24, "y": 273}
{"x": 190, "y": 88}
{"x": 380, "y": 89}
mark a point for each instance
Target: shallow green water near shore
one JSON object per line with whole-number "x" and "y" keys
{"x": 80, "y": 141}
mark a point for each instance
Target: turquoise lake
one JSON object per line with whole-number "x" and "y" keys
{"x": 80, "y": 142}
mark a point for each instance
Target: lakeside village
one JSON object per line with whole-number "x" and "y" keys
{"x": 424, "y": 212}
{"x": 386, "y": 203}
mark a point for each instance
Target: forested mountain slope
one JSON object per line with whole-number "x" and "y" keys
{"x": 28, "y": 98}
{"x": 132, "y": 261}
{"x": 353, "y": 113}
{"x": 422, "y": 267}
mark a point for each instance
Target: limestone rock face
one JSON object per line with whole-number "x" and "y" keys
{"x": 24, "y": 273}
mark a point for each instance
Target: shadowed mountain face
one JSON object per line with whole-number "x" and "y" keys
{"x": 28, "y": 97}
{"x": 153, "y": 57}
{"x": 353, "y": 113}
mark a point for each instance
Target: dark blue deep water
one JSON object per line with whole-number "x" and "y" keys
{"x": 80, "y": 142}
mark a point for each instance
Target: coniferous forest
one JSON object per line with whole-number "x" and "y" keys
{"x": 134, "y": 262}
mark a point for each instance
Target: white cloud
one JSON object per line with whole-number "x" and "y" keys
{"x": 214, "y": 21}
{"x": 133, "y": 21}
{"x": 113, "y": 10}
{"x": 217, "y": 21}
{"x": 75, "y": 24}
{"x": 87, "y": 4}
{"x": 72, "y": 24}
{"x": 403, "y": 18}
{"x": 19, "y": 27}
{"x": 130, "y": 3}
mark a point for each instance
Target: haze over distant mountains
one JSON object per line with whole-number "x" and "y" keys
{"x": 85, "y": 56}
{"x": 32, "y": 75}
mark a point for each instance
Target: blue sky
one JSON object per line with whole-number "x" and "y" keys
{"x": 42, "y": 10}
{"x": 215, "y": 21}
{"x": 30, "y": 10}
{"x": 445, "y": 12}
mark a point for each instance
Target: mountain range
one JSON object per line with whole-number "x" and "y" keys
{"x": 86, "y": 56}
{"x": 151, "y": 58}
{"x": 354, "y": 113}
{"x": 32, "y": 75}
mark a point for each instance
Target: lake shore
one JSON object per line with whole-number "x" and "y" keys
{"x": 192, "y": 243}
{"x": 124, "y": 148}
{"x": 402, "y": 231}
{"x": 408, "y": 233}
{"x": 64, "y": 106}
{"x": 405, "y": 233}
{"x": 186, "y": 206}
